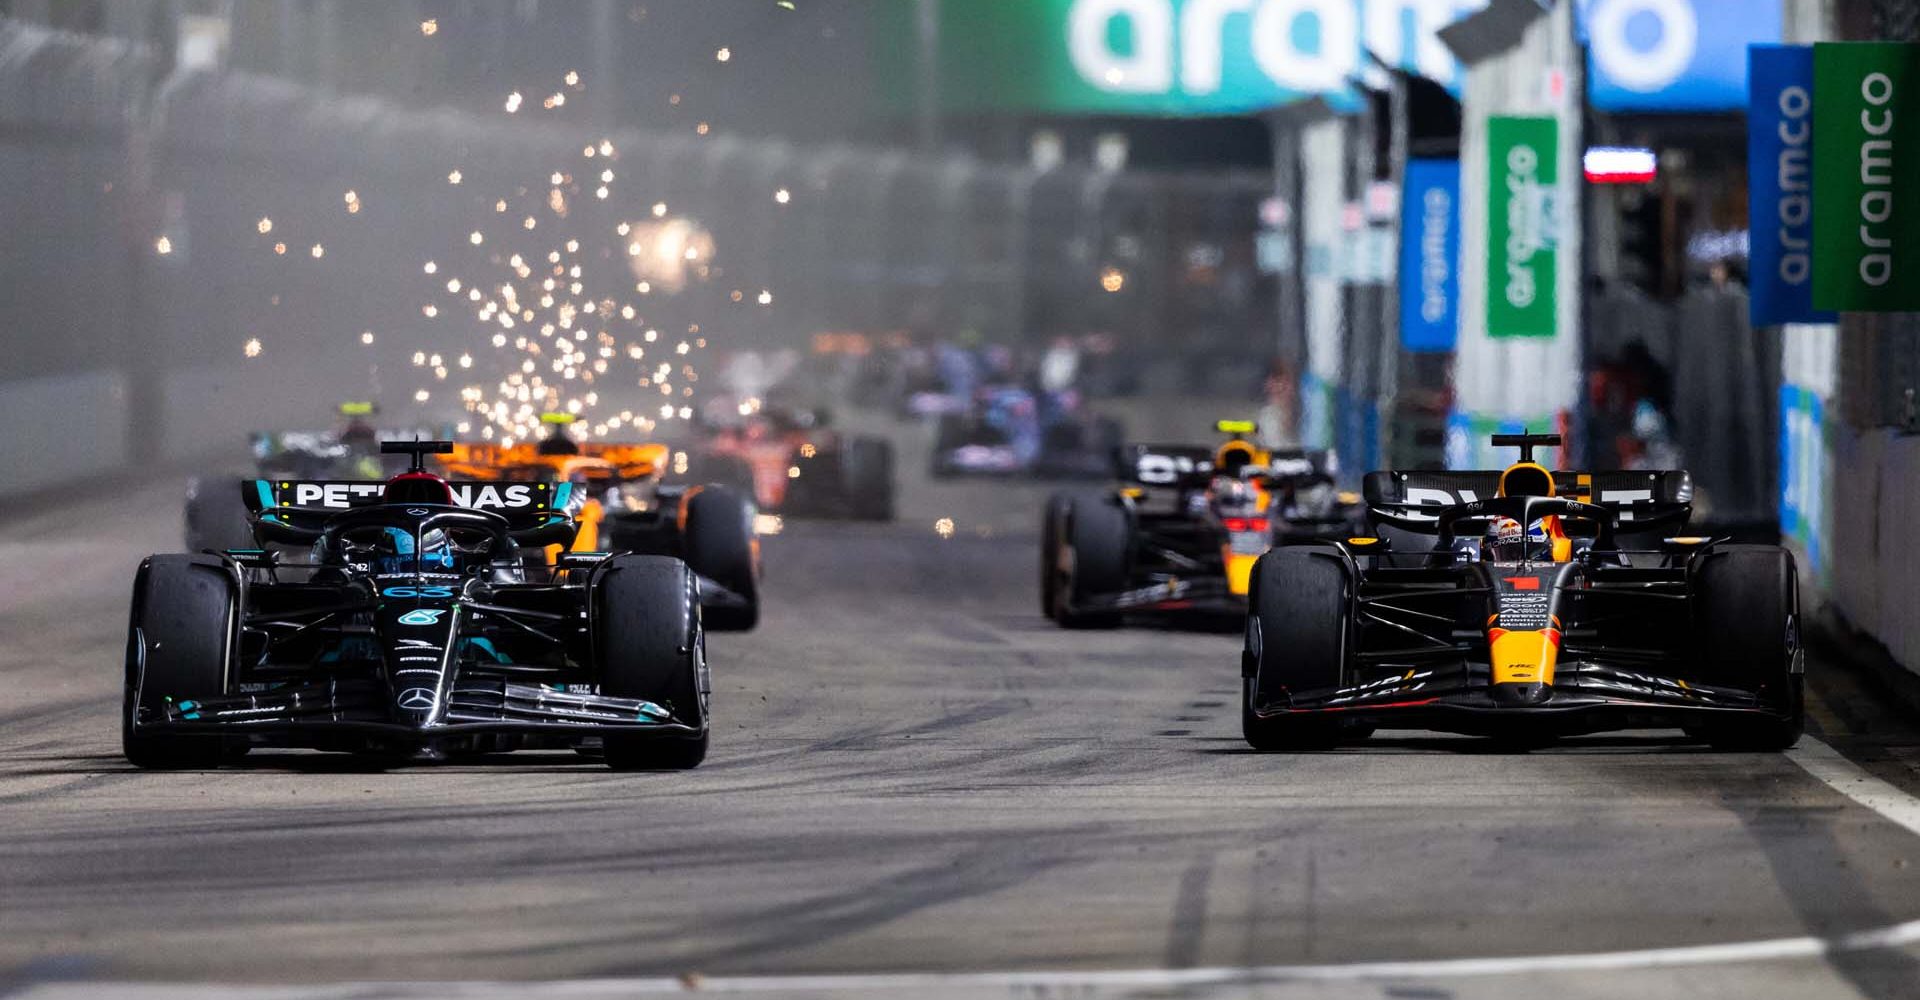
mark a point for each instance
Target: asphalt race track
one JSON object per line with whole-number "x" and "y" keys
{"x": 913, "y": 773}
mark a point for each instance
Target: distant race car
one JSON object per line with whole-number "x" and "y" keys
{"x": 622, "y": 504}
{"x": 1546, "y": 604}
{"x": 1182, "y": 530}
{"x": 797, "y": 465}
{"x": 1007, "y": 430}
{"x": 416, "y": 630}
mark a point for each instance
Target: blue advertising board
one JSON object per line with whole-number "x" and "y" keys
{"x": 1803, "y": 474}
{"x": 1780, "y": 186}
{"x": 1673, "y": 55}
{"x": 1430, "y": 256}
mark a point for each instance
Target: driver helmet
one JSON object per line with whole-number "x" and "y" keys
{"x": 397, "y": 552}
{"x": 1507, "y": 540}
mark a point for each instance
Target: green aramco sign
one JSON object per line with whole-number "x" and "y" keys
{"x": 1866, "y": 177}
{"x": 1523, "y": 164}
{"x": 1162, "y": 57}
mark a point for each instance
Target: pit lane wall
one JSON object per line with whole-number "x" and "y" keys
{"x": 1849, "y": 436}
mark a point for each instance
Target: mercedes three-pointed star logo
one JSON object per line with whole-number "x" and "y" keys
{"x": 416, "y": 699}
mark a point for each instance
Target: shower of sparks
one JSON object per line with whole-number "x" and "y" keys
{"x": 430, "y": 27}
{"x": 318, "y": 251}
{"x": 251, "y": 348}
{"x": 558, "y": 335}
{"x": 265, "y": 225}
{"x": 783, "y": 196}
{"x": 724, "y": 54}
{"x": 163, "y": 246}
{"x": 366, "y": 337}
{"x": 765, "y": 298}
{"x": 943, "y": 527}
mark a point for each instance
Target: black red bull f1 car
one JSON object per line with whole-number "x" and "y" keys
{"x": 1534, "y": 604}
{"x": 1181, "y": 531}
{"x": 416, "y": 630}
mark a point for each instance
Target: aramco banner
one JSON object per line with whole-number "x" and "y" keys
{"x": 1430, "y": 256}
{"x": 1866, "y": 176}
{"x": 1780, "y": 185}
{"x": 1161, "y": 57}
{"x": 1523, "y": 156}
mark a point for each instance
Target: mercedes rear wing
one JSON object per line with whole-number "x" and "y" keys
{"x": 301, "y": 507}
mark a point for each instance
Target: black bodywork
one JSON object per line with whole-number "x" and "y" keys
{"x": 1185, "y": 520}
{"x": 415, "y": 628}
{"x": 1641, "y": 627}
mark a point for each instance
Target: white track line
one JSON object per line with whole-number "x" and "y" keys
{"x": 1817, "y": 758}
{"x": 906, "y": 984}
{"x": 1852, "y": 781}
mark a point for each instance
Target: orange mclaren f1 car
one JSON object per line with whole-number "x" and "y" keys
{"x": 623, "y": 504}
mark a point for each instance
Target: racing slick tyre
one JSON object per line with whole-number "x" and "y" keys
{"x": 217, "y": 517}
{"x": 180, "y": 637}
{"x": 719, "y": 546}
{"x": 648, "y": 643}
{"x": 1296, "y": 641}
{"x": 1747, "y": 608}
{"x": 1051, "y": 520}
{"x": 710, "y": 468}
{"x": 1095, "y": 538}
{"x": 868, "y": 468}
